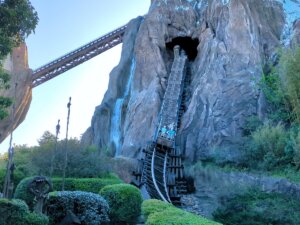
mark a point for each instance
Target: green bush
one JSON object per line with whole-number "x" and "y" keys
{"x": 71, "y": 184}
{"x": 22, "y": 192}
{"x": 296, "y": 147}
{"x": 89, "y": 208}
{"x": 16, "y": 212}
{"x": 291, "y": 75}
{"x": 258, "y": 208}
{"x": 161, "y": 213}
{"x": 35, "y": 219}
{"x": 153, "y": 205}
{"x": 268, "y": 149}
{"x": 18, "y": 176}
{"x": 125, "y": 202}
{"x": 85, "y": 184}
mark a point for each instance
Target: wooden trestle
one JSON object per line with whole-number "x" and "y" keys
{"x": 162, "y": 168}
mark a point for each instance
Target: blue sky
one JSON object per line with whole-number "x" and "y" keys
{"x": 64, "y": 26}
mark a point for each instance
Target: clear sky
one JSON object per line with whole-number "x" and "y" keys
{"x": 64, "y": 26}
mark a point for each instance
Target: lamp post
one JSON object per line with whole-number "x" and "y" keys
{"x": 66, "y": 147}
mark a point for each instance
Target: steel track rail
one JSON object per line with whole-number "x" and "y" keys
{"x": 78, "y": 56}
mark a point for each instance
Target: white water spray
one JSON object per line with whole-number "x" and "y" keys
{"x": 115, "y": 133}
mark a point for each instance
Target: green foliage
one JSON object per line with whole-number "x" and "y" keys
{"x": 279, "y": 108}
{"x": 296, "y": 158}
{"x": 268, "y": 149}
{"x": 16, "y": 212}
{"x": 36, "y": 219}
{"x": 23, "y": 193}
{"x": 83, "y": 162}
{"x": 71, "y": 184}
{"x": 161, "y": 213}
{"x": 252, "y": 124}
{"x": 153, "y": 205}
{"x": 258, "y": 208}
{"x": 125, "y": 202}
{"x": 18, "y": 176}
{"x": 4, "y": 104}
{"x": 85, "y": 184}
{"x": 89, "y": 208}
{"x": 18, "y": 20}
{"x": 291, "y": 74}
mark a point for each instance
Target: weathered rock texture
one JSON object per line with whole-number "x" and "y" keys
{"x": 214, "y": 184}
{"x": 17, "y": 66}
{"x": 236, "y": 39}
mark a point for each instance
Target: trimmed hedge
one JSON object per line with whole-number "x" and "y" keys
{"x": 23, "y": 193}
{"x": 93, "y": 185}
{"x": 16, "y": 212}
{"x": 161, "y": 213}
{"x": 89, "y": 208}
{"x": 125, "y": 202}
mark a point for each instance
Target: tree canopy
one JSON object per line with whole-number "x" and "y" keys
{"x": 18, "y": 19}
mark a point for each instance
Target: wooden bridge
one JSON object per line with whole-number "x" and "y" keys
{"x": 162, "y": 168}
{"x": 78, "y": 56}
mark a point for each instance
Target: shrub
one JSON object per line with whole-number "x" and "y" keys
{"x": 18, "y": 176}
{"x": 258, "y": 208}
{"x": 268, "y": 149}
{"x": 85, "y": 184}
{"x": 278, "y": 107}
{"x": 89, "y": 208}
{"x": 71, "y": 184}
{"x": 22, "y": 192}
{"x": 296, "y": 157}
{"x": 291, "y": 73}
{"x": 35, "y": 219}
{"x": 161, "y": 213}
{"x": 125, "y": 202}
{"x": 16, "y": 212}
{"x": 153, "y": 205}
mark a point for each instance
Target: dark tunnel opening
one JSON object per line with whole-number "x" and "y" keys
{"x": 187, "y": 43}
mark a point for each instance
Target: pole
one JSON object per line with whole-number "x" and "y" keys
{"x": 66, "y": 146}
{"x": 8, "y": 182}
{"x": 55, "y": 148}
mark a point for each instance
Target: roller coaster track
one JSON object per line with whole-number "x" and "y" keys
{"x": 78, "y": 56}
{"x": 162, "y": 172}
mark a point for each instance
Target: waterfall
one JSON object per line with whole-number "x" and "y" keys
{"x": 115, "y": 130}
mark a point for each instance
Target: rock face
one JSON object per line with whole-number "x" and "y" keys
{"x": 16, "y": 65}
{"x": 228, "y": 44}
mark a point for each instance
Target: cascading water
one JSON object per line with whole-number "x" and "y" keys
{"x": 292, "y": 10}
{"x": 115, "y": 133}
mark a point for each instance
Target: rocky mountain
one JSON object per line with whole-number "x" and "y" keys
{"x": 228, "y": 43}
{"x": 16, "y": 64}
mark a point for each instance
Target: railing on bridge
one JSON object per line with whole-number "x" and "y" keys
{"x": 78, "y": 56}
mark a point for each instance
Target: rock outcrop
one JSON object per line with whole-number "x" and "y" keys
{"x": 228, "y": 44}
{"x": 16, "y": 64}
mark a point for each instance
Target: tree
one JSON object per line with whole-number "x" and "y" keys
{"x": 18, "y": 19}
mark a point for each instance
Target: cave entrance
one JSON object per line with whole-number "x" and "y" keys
{"x": 187, "y": 43}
